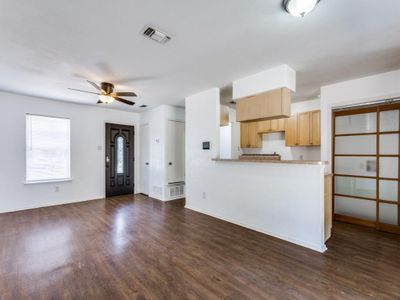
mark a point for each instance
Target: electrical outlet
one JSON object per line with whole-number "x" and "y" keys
{"x": 57, "y": 189}
{"x": 204, "y": 195}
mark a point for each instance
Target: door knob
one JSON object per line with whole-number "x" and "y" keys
{"x": 107, "y": 159}
{"x": 146, "y": 163}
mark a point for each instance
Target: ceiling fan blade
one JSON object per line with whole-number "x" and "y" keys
{"x": 126, "y": 94}
{"x": 83, "y": 91}
{"x": 94, "y": 85}
{"x": 124, "y": 101}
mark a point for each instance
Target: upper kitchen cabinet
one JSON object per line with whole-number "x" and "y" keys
{"x": 249, "y": 137}
{"x": 316, "y": 127}
{"x": 265, "y": 106}
{"x": 269, "y": 126}
{"x": 291, "y": 132}
{"x": 303, "y": 129}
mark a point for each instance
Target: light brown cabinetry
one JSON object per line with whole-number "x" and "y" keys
{"x": 303, "y": 129}
{"x": 249, "y": 137}
{"x": 268, "y": 126}
{"x": 291, "y": 131}
{"x": 316, "y": 127}
{"x": 270, "y": 105}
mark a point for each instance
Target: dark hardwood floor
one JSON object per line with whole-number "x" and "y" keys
{"x": 138, "y": 248}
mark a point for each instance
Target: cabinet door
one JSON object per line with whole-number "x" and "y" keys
{"x": 304, "y": 129}
{"x": 291, "y": 131}
{"x": 244, "y": 135}
{"x": 255, "y": 139}
{"x": 316, "y": 128}
{"x": 277, "y": 125}
{"x": 249, "y": 137}
{"x": 264, "y": 126}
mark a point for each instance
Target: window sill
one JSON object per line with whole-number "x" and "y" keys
{"x": 47, "y": 181}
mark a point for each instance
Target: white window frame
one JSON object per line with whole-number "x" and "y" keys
{"x": 28, "y": 182}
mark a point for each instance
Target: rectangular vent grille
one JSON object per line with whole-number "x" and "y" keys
{"x": 156, "y": 35}
{"x": 176, "y": 191}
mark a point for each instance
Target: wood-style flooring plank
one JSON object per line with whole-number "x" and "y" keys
{"x": 135, "y": 247}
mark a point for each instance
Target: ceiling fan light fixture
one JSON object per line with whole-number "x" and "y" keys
{"x": 106, "y": 99}
{"x": 299, "y": 8}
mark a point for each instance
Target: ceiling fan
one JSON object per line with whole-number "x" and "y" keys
{"x": 106, "y": 93}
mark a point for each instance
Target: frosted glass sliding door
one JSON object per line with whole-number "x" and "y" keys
{"x": 366, "y": 166}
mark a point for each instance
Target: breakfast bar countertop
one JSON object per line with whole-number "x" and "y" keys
{"x": 272, "y": 161}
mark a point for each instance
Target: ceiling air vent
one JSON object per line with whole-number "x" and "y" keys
{"x": 156, "y": 35}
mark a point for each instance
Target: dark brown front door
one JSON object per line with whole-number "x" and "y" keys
{"x": 119, "y": 159}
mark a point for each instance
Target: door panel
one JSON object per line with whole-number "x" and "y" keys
{"x": 175, "y": 151}
{"x": 119, "y": 160}
{"x": 366, "y": 163}
{"x": 145, "y": 159}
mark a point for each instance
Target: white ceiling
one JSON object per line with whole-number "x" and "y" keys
{"x": 47, "y": 46}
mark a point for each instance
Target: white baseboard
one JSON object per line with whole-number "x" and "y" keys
{"x": 48, "y": 205}
{"x": 319, "y": 248}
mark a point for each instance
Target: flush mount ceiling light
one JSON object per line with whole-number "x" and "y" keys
{"x": 299, "y": 8}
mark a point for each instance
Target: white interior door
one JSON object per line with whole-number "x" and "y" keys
{"x": 145, "y": 159}
{"x": 175, "y": 151}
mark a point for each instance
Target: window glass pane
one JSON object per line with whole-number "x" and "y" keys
{"x": 360, "y": 187}
{"x": 47, "y": 148}
{"x": 356, "y": 208}
{"x": 388, "y": 213}
{"x": 389, "y": 144}
{"x": 363, "y": 144}
{"x": 361, "y": 123}
{"x": 389, "y": 120}
{"x": 120, "y": 155}
{"x": 363, "y": 166}
{"x": 388, "y": 190}
{"x": 388, "y": 167}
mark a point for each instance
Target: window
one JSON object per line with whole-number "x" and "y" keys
{"x": 48, "y": 149}
{"x": 120, "y": 155}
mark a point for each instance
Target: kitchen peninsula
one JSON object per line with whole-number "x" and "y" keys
{"x": 282, "y": 198}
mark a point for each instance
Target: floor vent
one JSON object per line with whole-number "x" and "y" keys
{"x": 156, "y": 35}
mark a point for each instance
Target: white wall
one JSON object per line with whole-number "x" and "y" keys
{"x": 225, "y": 137}
{"x": 275, "y": 142}
{"x": 157, "y": 119}
{"x": 285, "y": 201}
{"x": 87, "y": 152}
{"x": 361, "y": 90}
